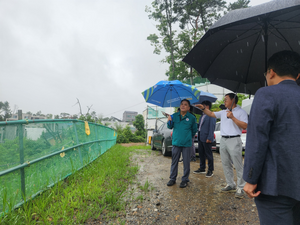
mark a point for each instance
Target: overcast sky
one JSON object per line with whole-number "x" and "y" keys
{"x": 54, "y": 51}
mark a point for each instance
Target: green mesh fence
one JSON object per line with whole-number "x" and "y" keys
{"x": 35, "y": 155}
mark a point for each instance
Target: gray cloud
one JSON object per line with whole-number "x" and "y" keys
{"x": 53, "y": 52}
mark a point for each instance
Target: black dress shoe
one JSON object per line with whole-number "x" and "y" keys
{"x": 171, "y": 182}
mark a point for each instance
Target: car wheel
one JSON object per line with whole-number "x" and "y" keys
{"x": 164, "y": 148}
{"x": 152, "y": 145}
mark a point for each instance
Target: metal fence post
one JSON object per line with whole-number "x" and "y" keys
{"x": 96, "y": 135}
{"x": 79, "y": 151}
{"x": 21, "y": 149}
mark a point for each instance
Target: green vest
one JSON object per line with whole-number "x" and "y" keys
{"x": 184, "y": 129}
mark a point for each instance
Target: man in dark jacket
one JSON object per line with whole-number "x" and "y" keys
{"x": 184, "y": 128}
{"x": 205, "y": 138}
{"x": 272, "y": 155}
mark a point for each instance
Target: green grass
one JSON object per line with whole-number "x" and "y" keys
{"x": 145, "y": 188}
{"x": 98, "y": 188}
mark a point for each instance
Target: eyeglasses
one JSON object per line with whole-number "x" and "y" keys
{"x": 265, "y": 74}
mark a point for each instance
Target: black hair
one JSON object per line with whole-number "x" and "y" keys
{"x": 207, "y": 103}
{"x": 232, "y": 95}
{"x": 186, "y": 101}
{"x": 191, "y": 111}
{"x": 285, "y": 63}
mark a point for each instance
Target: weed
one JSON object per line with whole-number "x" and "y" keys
{"x": 145, "y": 188}
{"x": 140, "y": 198}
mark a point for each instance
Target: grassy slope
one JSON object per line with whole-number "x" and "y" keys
{"x": 98, "y": 188}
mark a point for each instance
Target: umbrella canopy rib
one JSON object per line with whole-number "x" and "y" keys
{"x": 250, "y": 60}
{"x": 170, "y": 89}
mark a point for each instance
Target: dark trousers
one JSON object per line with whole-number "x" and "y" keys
{"x": 186, "y": 154}
{"x": 205, "y": 152}
{"x": 279, "y": 210}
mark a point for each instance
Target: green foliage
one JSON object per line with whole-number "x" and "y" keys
{"x": 90, "y": 118}
{"x": 121, "y": 138}
{"x": 238, "y": 4}
{"x": 193, "y": 17}
{"x": 126, "y": 136}
{"x": 5, "y": 111}
{"x": 241, "y": 98}
{"x": 139, "y": 124}
{"x": 163, "y": 12}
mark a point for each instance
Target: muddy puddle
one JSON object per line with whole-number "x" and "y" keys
{"x": 201, "y": 202}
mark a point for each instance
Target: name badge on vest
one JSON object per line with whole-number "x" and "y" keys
{"x": 187, "y": 119}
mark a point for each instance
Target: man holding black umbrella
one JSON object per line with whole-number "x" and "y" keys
{"x": 233, "y": 121}
{"x": 272, "y": 156}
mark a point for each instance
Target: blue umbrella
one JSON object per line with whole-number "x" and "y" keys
{"x": 170, "y": 93}
{"x": 205, "y": 96}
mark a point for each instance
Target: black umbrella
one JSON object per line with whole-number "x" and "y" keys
{"x": 234, "y": 51}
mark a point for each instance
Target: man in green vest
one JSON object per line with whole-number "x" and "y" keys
{"x": 184, "y": 128}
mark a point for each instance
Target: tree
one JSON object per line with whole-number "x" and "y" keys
{"x": 139, "y": 124}
{"x": 64, "y": 115}
{"x": 39, "y": 113}
{"x": 87, "y": 117}
{"x": 75, "y": 116}
{"x": 163, "y": 12}
{"x": 5, "y": 111}
{"x": 195, "y": 16}
{"x": 238, "y": 4}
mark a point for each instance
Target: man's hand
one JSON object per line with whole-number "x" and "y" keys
{"x": 169, "y": 118}
{"x": 200, "y": 106}
{"x": 229, "y": 114}
{"x": 208, "y": 141}
{"x": 250, "y": 190}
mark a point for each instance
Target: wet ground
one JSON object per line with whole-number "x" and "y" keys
{"x": 201, "y": 202}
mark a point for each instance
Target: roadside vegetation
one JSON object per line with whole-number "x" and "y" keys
{"x": 125, "y": 135}
{"x": 98, "y": 191}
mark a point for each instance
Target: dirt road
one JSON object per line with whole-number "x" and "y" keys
{"x": 201, "y": 202}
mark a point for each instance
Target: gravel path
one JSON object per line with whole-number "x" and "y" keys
{"x": 201, "y": 202}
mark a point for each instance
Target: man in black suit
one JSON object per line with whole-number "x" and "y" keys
{"x": 272, "y": 155}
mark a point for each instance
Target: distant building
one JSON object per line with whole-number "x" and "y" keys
{"x": 26, "y": 116}
{"x": 129, "y": 116}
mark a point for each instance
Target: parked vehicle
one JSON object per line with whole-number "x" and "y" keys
{"x": 217, "y": 134}
{"x": 218, "y": 137}
{"x": 162, "y": 139}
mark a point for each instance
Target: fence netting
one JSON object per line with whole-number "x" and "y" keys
{"x": 36, "y": 155}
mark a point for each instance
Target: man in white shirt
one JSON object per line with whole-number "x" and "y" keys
{"x": 232, "y": 123}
